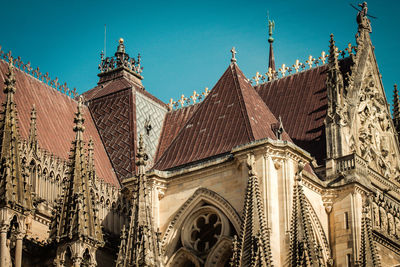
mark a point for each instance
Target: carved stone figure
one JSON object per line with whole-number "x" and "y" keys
{"x": 397, "y": 226}
{"x": 375, "y": 211}
{"x": 391, "y": 228}
{"x": 384, "y": 223}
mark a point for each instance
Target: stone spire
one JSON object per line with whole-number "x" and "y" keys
{"x": 335, "y": 87}
{"x": 76, "y": 223}
{"x": 368, "y": 253}
{"x": 140, "y": 245}
{"x": 14, "y": 190}
{"x": 396, "y": 109}
{"x": 253, "y": 247}
{"x": 303, "y": 248}
{"x": 271, "y": 61}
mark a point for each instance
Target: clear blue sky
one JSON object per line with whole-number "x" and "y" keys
{"x": 185, "y": 45}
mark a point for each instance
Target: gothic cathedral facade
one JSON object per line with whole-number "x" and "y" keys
{"x": 300, "y": 167}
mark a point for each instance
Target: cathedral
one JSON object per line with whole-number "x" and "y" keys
{"x": 299, "y": 166}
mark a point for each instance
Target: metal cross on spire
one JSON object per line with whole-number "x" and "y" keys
{"x": 233, "y": 51}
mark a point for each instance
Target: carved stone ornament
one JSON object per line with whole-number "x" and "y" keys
{"x": 374, "y": 136}
{"x": 204, "y": 228}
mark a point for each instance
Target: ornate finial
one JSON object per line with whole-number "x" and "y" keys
{"x": 310, "y": 61}
{"x": 79, "y": 120}
{"x": 333, "y": 53}
{"x": 194, "y": 97}
{"x": 257, "y": 77}
{"x": 396, "y": 108}
{"x": 171, "y": 104}
{"x": 283, "y": 70}
{"x": 296, "y": 66}
{"x": 349, "y": 49}
{"x": 121, "y": 40}
{"x": 233, "y": 51}
{"x": 323, "y": 57}
{"x": 271, "y": 28}
{"x": 206, "y": 92}
{"x": 141, "y": 155}
{"x": 182, "y": 100}
{"x": 270, "y": 74}
{"x": 10, "y": 79}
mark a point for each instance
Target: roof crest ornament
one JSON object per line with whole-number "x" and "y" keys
{"x": 120, "y": 60}
{"x": 43, "y": 77}
{"x": 187, "y": 101}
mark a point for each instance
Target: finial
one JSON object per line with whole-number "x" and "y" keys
{"x": 121, "y": 40}
{"x": 333, "y": 53}
{"x": 233, "y": 51}
{"x": 271, "y": 28}
{"x": 396, "y": 107}
{"x": 310, "y": 61}
{"x": 10, "y": 79}
{"x": 121, "y": 47}
{"x": 141, "y": 154}
{"x": 296, "y": 66}
{"x": 257, "y": 77}
{"x": 323, "y": 57}
{"x": 283, "y": 70}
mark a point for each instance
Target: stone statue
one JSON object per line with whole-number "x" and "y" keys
{"x": 384, "y": 224}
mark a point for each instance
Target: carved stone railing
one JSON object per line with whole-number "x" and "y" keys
{"x": 350, "y": 162}
{"x": 43, "y": 77}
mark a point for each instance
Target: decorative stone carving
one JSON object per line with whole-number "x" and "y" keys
{"x": 384, "y": 223}
{"x": 204, "y": 228}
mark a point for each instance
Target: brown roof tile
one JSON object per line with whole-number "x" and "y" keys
{"x": 232, "y": 114}
{"x": 173, "y": 122}
{"x": 301, "y": 101}
{"x": 55, "y": 120}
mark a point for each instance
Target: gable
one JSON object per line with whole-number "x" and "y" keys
{"x": 232, "y": 114}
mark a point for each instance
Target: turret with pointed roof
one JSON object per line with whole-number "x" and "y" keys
{"x": 140, "y": 245}
{"x": 14, "y": 188}
{"x": 253, "y": 247}
{"x": 76, "y": 224}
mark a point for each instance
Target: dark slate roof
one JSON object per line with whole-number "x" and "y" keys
{"x": 232, "y": 114}
{"x": 301, "y": 101}
{"x": 55, "y": 120}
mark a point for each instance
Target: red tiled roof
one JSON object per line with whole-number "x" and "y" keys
{"x": 232, "y": 114}
{"x": 173, "y": 122}
{"x": 301, "y": 101}
{"x": 55, "y": 120}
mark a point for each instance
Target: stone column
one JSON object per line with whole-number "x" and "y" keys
{"x": 18, "y": 249}
{"x": 3, "y": 244}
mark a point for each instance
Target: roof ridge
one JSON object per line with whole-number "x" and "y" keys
{"x": 238, "y": 88}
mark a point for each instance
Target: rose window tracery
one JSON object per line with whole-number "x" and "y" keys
{"x": 204, "y": 228}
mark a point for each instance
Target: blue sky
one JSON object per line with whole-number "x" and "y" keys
{"x": 185, "y": 44}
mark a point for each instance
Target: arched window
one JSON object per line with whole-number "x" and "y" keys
{"x": 68, "y": 258}
{"x": 86, "y": 260}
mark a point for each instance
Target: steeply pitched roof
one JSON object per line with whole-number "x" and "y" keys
{"x": 232, "y": 114}
{"x": 55, "y": 120}
{"x": 173, "y": 122}
{"x": 301, "y": 101}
